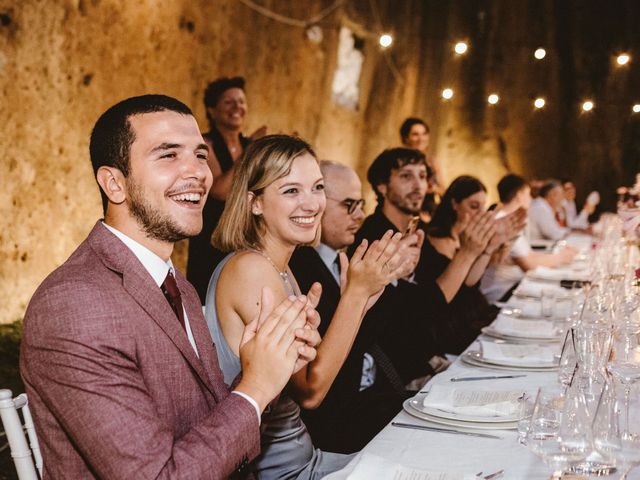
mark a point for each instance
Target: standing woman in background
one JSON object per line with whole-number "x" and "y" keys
{"x": 414, "y": 133}
{"x": 226, "y": 106}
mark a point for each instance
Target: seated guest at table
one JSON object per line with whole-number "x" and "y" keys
{"x": 544, "y": 213}
{"x": 353, "y": 411}
{"x": 226, "y": 107}
{"x": 461, "y": 228}
{"x": 276, "y": 203}
{"x": 573, "y": 219}
{"x": 398, "y": 176}
{"x": 122, "y": 377}
{"x": 501, "y": 277}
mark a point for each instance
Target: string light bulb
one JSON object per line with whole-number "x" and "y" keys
{"x": 493, "y": 98}
{"x": 539, "y": 102}
{"x": 447, "y": 93}
{"x": 636, "y": 108}
{"x": 385, "y": 40}
{"x": 587, "y": 106}
{"x": 540, "y": 53}
{"x": 461, "y": 48}
{"x": 623, "y": 59}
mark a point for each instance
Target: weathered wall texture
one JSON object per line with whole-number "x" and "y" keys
{"x": 63, "y": 62}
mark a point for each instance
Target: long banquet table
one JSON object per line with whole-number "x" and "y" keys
{"x": 452, "y": 453}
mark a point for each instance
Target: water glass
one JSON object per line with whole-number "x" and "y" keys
{"x": 548, "y": 302}
{"x": 526, "y": 404}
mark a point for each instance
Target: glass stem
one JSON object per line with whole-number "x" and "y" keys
{"x": 627, "y": 395}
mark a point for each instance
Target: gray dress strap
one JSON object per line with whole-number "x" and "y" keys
{"x": 286, "y": 448}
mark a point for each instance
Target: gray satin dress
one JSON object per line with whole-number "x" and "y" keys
{"x": 286, "y": 448}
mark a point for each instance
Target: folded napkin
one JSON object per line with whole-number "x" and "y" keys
{"x": 477, "y": 402}
{"x": 532, "y": 288}
{"x": 368, "y": 466}
{"x": 556, "y": 274}
{"x": 530, "y": 308}
{"x": 513, "y": 354}
{"x": 507, "y": 325}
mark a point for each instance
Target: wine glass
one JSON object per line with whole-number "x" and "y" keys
{"x": 558, "y": 430}
{"x": 624, "y": 361}
{"x": 568, "y": 360}
{"x": 613, "y": 436}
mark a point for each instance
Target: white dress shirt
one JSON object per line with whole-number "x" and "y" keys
{"x": 158, "y": 270}
{"x": 498, "y": 279}
{"x": 575, "y": 219}
{"x": 542, "y": 222}
{"x": 328, "y": 256}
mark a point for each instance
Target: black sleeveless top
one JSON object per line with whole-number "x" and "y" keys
{"x": 203, "y": 258}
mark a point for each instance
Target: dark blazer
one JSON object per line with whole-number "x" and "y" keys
{"x": 347, "y": 419}
{"x": 415, "y": 312}
{"x": 115, "y": 387}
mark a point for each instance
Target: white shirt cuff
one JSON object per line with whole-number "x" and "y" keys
{"x": 252, "y": 402}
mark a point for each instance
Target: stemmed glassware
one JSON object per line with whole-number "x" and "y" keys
{"x": 624, "y": 361}
{"x": 559, "y": 429}
{"x": 568, "y": 360}
{"x": 614, "y": 436}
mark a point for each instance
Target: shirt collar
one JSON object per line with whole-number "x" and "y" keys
{"x": 152, "y": 263}
{"x": 327, "y": 254}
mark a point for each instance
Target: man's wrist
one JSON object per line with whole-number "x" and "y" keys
{"x": 251, "y": 401}
{"x": 254, "y": 392}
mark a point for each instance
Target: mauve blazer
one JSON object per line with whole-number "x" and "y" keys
{"x": 115, "y": 388}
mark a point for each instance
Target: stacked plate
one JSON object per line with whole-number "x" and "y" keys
{"x": 509, "y": 356}
{"x": 419, "y": 407}
{"x": 518, "y": 330}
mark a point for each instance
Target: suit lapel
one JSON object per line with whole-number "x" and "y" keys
{"x": 138, "y": 283}
{"x": 202, "y": 337}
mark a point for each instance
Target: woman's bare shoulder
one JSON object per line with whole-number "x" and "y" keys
{"x": 250, "y": 270}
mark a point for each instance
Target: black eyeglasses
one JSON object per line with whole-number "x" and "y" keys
{"x": 350, "y": 204}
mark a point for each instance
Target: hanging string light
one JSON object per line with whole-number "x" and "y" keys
{"x": 587, "y": 106}
{"x": 636, "y": 108}
{"x": 447, "y": 94}
{"x": 385, "y": 40}
{"x": 539, "y": 102}
{"x": 493, "y": 99}
{"x": 461, "y": 48}
{"x": 540, "y": 53}
{"x": 623, "y": 59}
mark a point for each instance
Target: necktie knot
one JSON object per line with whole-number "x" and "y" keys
{"x": 171, "y": 287}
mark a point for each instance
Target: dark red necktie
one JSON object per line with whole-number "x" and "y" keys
{"x": 170, "y": 289}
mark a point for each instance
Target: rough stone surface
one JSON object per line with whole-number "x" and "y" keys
{"x": 63, "y": 62}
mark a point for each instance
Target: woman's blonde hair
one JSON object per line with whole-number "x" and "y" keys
{"x": 264, "y": 161}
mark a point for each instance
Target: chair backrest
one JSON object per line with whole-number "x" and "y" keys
{"x": 22, "y": 455}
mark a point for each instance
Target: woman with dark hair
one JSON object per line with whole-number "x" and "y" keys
{"x": 459, "y": 217}
{"x": 226, "y": 106}
{"x": 414, "y": 133}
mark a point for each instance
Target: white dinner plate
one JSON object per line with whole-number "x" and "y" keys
{"x": 506, "y": 363}
{"x": 457, "y": 423}
{"x": 492, "y": 332}
{"x": 472, "y": 358}
{"x": 417, "y": 403}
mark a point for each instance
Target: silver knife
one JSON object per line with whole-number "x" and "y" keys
{"x": 444, "y": 430}
{"x": 490, "y": 377}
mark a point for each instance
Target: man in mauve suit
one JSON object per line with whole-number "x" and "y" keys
{"x": 116, "y": 356}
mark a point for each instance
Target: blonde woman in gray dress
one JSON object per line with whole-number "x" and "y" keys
{"x": 276, "y": 203}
